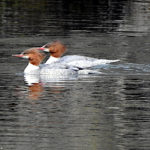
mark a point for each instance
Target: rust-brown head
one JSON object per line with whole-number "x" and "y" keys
{"x": 34, "y": 56}
{"x": 57, "y": 49}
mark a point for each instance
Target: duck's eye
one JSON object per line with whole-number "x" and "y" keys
{"x": 30, "y": 58}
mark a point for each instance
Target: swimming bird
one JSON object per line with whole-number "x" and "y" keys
{"x": 57, "y": 49}
{"x": 35, "y": 57}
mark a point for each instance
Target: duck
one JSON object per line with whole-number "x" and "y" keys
{"x": 55, "y": 70}
{"x": 57, "y": 49}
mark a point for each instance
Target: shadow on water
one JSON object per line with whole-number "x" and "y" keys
{"x": 108, "y": 111}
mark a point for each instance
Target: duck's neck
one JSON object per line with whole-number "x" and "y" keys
{"x": 52, "y": 59}
{"x": 31, "y": 69}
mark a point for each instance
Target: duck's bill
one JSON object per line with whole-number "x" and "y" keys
{"x": 44, "y": 49}
{"x": 18, "y": 55}
{"x": 21, "y": 56}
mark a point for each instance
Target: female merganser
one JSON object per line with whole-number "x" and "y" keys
{"x": 55, "y": 70}
{"x": 34, "y": 57}
{"x": 57, "y": 49}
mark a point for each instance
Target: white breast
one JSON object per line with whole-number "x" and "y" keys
{"x": 52, "y": 60}
{"x": 31, "y": 69}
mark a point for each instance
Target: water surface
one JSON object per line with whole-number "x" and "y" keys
{"x": 106, "y": 111}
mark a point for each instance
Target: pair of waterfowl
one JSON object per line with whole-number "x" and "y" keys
{"x": 57, "y": 65}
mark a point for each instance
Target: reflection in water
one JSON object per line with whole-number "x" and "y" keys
{"x": 37, "y": 82}
{"x": 133, "y": 114}
{"x": 58, "y": 16}
{"x": 63, "y": 16}
{"x": 137, "y": 23}
{"x": 109, "y": 111}
{"x": 97, "y": 112}
{"x": 35, "y": 90}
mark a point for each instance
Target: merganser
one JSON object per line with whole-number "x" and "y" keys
{"x": 34, "y": 57}
{"x": 57, "y": 49}
{"x": 55, "y": 70}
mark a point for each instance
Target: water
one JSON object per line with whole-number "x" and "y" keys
{"x": 107, "y": 111}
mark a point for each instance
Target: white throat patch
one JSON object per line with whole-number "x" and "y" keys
{"x": 31, "y": 69}
{"x": 51, "y": 60}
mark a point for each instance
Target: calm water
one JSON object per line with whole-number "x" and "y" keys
{"x": 110, "y": 111}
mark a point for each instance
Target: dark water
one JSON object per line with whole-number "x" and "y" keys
{"x": 110, "y": 111}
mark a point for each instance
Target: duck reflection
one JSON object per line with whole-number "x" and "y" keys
{"x": 37, "y": 83}
{"x": 35, "y": 91}
{"x": 34, "y": 86}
